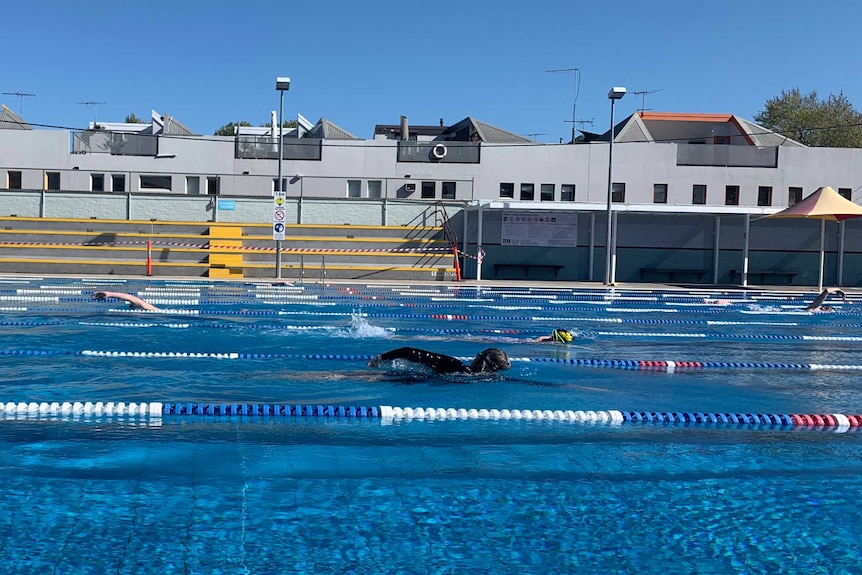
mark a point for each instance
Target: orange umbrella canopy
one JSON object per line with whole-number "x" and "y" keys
{"x": 825, "y": 204}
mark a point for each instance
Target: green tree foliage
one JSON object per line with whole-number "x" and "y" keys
{"x": 228, "y": 129}
{"x": 285, "y": 124}
{"x": 132, "y": 119}
{"x": 832, "y": 122}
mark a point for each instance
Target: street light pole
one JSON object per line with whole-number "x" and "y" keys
{"x": 281, "y": 84}
{"x": 615, "y": 94}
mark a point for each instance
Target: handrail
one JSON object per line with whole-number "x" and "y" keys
{"x": 448, "y": 234}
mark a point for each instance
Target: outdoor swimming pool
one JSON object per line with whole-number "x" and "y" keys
{"x": 556, "y": 484}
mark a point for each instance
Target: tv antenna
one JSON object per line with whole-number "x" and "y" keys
{"x": 21, "y": 96}
{"x": 95, "y": 106}
{"x": 581, "y": 123}
{"x": 576, "y": 73}
{"x": 643, "y": 94}
{"x": 534, "y": 134}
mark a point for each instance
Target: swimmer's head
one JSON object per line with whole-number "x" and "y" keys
{"x": 562, "y": 336}
{"x": 491, "y": 360}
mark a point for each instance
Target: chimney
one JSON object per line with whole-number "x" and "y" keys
{"x": 405, "y": 130}
{"x": 441, "y": 122}
{"x": 273, "y": 127}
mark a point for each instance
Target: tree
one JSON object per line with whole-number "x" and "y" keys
{"x": 132, "y": 119}
{"x": 832, "y": 122}
{"x": 229, "y": 128}
{"x": 285, "y": 124}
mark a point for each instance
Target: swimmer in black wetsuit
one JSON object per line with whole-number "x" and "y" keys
{"x": 491, "y": 360}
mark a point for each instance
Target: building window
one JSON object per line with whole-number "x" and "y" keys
{"x": 375, "y": 189}
{"x": 97, "y": 182}
{"x": 731, "y": 195}
{"x": 52, "y": 180}
{"x": 618, "y": 193}
{"x": 546, "y": 192}
{"x": 721, "y": 140}
{"x": 118, "y": 182}
{"x": 448, "y": 192}
{"x": 283, "y": 185}
{"x": 13, "y": 180}
{"x": 528, "y": 192}
{"x": 659, "y": 193}
{"x": 764, "y": 196}
{"x": 846, "y": 193}
{"x": 794, "y": 195}
{"x": 698, "y": 194}
{"x": 153, "y": 182}
{"x": 193, "y": 185}
{"x": 429, "y": 190}
{"x": 212, "y": 185}
{"x": 567, "y": 193}
{"x": 507, "y": 190}
{"x": 354, "y": 188}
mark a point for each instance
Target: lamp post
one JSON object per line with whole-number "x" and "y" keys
{"x": 281, "y": 84}
{"x": 615, "y": 94}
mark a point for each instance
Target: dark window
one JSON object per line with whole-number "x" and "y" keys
{"x": 764, "y": 196}
{"x": 618, "y": 193}
{"x": 659, "y": 193}
{"x": 731, "y": 195}
{"x": 52, "y": 180}
{"x": 846, "y": 193}
{"x": 448, "y": 191}
{"x": 213, "y": 185}
{"x": 528, "y": 192}
{"x": 429, "y": 190}
{"x": 721, "y": 140}
{"x": 567, "y": 193}
{"x": 794, "y": 195}
{"x": 507, "y": 190}
{"x": 284, "y": 185}
{"x": 118, "y": 182}
{"x": 13, "y": 180}
{"x": 153, "y": 182}
{"x": 547, "y": 192}
{"x": 97, "y": 182}
{"x": 698, "y": 194}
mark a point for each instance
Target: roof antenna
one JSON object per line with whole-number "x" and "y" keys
{"x": 643, "y": 94}
{"x": 95, "y": 106}
{"x": 576, "y": 72}
{"x": 21, "y": 96}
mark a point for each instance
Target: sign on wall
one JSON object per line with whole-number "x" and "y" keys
{"x": 553, "y": 229}
{"x": 278, "y": 215}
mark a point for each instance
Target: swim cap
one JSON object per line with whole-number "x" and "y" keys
{"x": 489, "y": 361}
{"x": 562, "y": 335}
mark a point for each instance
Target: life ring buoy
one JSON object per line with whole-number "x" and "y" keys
{"x": 439, "y": 151}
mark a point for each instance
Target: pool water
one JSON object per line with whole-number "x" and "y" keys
{"x": 92, "y": 493}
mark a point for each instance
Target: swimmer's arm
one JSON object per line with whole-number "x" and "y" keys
{"x": 436, "y": 361}
{"x": 134, "y": 301}
{"x": 818, "y": 300}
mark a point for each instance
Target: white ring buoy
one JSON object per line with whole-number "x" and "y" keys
{"x": 439, "y": 151}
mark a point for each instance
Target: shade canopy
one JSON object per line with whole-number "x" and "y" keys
{"x": 825, "y": 203}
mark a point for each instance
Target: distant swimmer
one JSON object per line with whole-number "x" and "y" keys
{"x": 134, "y": 301}
{"x": 491, "y": 360}
{"x": 558, "y": 336}
{"x": 818, "y": 303}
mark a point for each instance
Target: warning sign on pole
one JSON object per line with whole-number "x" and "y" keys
{"x": 279, "y": 199}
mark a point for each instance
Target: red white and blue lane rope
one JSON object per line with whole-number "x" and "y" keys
{"x": 631, "y": 364}
{"x": 156, "y": 410}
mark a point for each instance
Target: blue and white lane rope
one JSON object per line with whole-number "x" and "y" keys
{"x": 89, "y": 409}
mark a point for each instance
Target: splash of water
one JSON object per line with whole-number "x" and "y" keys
{"x": 361, "y": 328}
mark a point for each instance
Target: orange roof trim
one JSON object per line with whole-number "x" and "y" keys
{"x": 682, "y": 117}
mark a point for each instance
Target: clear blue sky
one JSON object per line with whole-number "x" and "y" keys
{"x": 209, "y": 62}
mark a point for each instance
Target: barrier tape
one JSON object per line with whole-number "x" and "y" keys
{"x": 25, "y": 410}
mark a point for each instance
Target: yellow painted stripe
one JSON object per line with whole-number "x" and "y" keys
{"x": 170, "y": 237}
